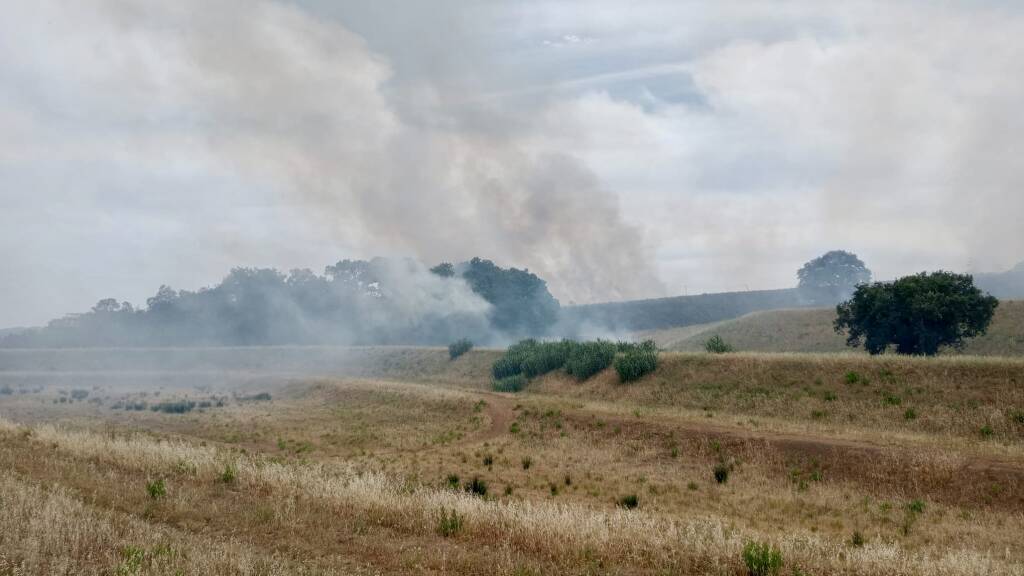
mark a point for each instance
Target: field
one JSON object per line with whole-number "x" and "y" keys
{"x": 401, "y": 461}
{"x": 810, "y": 330}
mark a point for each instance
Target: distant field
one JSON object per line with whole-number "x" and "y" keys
{"x": 400, "y": 461}
{"x": 810, "y": 330}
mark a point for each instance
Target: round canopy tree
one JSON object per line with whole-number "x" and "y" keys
{"x": 832, "y": 276}
{"x": 917, "y": 314}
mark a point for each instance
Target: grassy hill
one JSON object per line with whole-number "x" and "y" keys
{"x": 661, "y": 313}
{"x": 810, "y": 330}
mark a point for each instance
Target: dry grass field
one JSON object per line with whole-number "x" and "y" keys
{"x": 810, "y": 330}
{"x": 399, "y": 461}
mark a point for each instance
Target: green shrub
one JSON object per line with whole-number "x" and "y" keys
{"x": 589, "y": 358}
{"x": 831, "y": 396}
{"x": 514, "y": 383}
{"x": 909, "y": 414}
{"x": 449, "y": 522}
{"x": 716, "y": 345}
{"x": 452, "y": 481}
{"x": 511, "y": 363}
{"x": 636, "y": 364}
{"x": 762, "y": 559}
{"x": 459, "y": 347}
{"x": 986, "y": 431}
{"x": 629, "y": 502}
{"x": 852, "y": 377}
{"x": 916, "y": 506}
{"x": 476, "y": 486}
{"x": 156, "y": 489}
{"x": 546, "y": 357}
{"x": 891, "y": 399}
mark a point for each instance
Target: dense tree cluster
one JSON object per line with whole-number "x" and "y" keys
{"x": 379, "y": 301}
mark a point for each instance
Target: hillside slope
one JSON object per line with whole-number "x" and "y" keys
{"x": 810, "y": 330}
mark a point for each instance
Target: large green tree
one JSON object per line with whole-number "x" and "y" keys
{"x": 832, "y": 277}
{"x": 917, "y": 314}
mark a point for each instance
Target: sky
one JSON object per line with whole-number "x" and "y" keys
{"x": 619, "y": 150}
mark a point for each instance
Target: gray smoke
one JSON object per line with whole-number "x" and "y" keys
{"x": 297, "y": 109}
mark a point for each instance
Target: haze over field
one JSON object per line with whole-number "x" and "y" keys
{"x": 618, "y": 152}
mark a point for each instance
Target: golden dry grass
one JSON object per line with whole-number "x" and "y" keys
{"x": 810, "y": 330}
{"x": 369, "y": 494}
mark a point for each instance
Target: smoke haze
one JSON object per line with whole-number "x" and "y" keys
{"x": 617, "y": 153}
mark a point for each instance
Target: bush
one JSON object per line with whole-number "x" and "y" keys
{"x": 6, "y": 390}
{"x": 459, "y": 347}
{"x": 589, "y": 358}
{"x": 546, "y": 357}
{"x": 510, "y": 384}
{"x": 156, "y": 489}
{"x": 636, "y": 364}
{"x": 179, "y": 407}
{"x": 721, "y": 472}
{"x": 716, "y": 345}
{"x": 857, "y": 539}
{"x": 629, "y": 502}
{"x": 79, "y": 394}
{"x": 449, "y": 522}
{"x": 916, "y": 506}
{"x": 453, "y": 481}
{"x": 527, "y": 462}
{"x": 762, "y": 559}
{"x": 909, "y": 414}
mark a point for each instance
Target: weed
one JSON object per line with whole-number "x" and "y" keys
{"x": 131, "y": 560}
{"x": 629, "y": 502}
{"x": 857, "y": 540}
{"x": 986, "y": 431}
{"x": 852, "y": 377}
{"x": 156, "y": 489}
{"x": 916, "y": 506}
{"x": 818, "y": 414}
{"x": 909, "y": 414}
{"x": 762, "y": 559}
{"x": 1017, "y": 416}
{"x": 527, "y": 462}
{"x": 831, "y": 396}
{"x": 476, "y": 486}
{"x": 554, "y": 489}
{"x": 452, "y": 481}
{"x": 514, "y": 428}
{"x": 488, "y": 460}
{"x": 716, "y": 345}
{"x": 230, "y": 474}
{"x": 691, "y": 486}
{"x": 891, "y": 399}
{"x": 449, "y": 522}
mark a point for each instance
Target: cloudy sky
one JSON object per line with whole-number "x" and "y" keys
{"x": 620, "y": 150}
